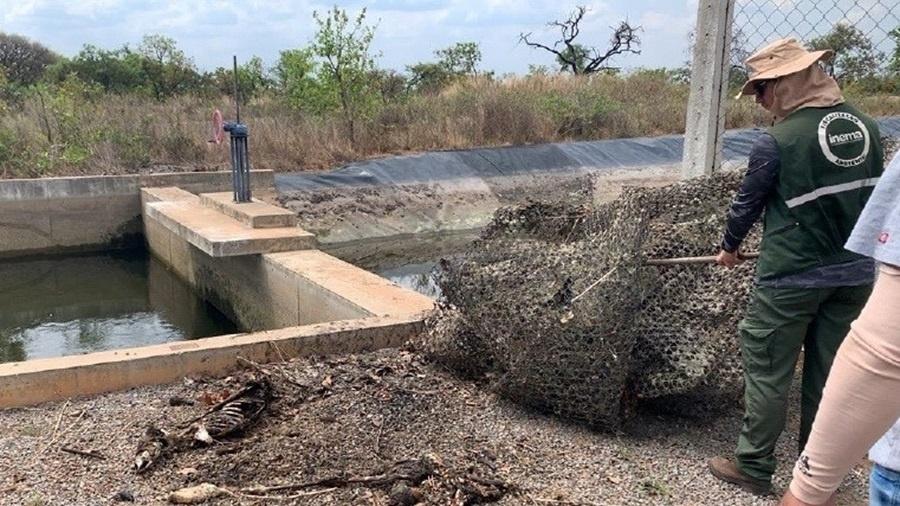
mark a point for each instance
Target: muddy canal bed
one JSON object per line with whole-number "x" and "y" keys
{"x": 355, "y": 417}
{"x": 67, "y": 305}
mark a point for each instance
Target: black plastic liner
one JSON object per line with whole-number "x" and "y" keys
{"x": 522, "y": 160}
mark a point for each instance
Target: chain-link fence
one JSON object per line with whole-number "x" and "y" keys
{"x": 865, "y": 34}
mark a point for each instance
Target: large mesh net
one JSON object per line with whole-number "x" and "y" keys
{"x": 556, "y": 306}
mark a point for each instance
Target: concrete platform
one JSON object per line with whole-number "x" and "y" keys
{"x": 219, "y": 235}
{"x": 255, "y": 214}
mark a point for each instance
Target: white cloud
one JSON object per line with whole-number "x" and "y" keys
{"x": 407, "y": 24}
{"x": 15, "y": 10}
{"x": 408, "y": 31}
{"x": 90, "y": 7}
{"x": 666, "y": 22}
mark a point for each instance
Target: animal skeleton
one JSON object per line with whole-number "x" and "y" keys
{"x": 231, "y": 416}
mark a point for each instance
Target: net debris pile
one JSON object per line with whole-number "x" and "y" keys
{"x": 556, "y": 306}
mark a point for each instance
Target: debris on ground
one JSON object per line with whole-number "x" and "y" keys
{"x": 347, "y": 424}
{"x": 197, "y": 494}
{"x": 234, "y": 413}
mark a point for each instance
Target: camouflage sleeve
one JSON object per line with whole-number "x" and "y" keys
{"x": 750, "y": 201}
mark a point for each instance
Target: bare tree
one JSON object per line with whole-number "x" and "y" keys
{"x": 580, "y": 59}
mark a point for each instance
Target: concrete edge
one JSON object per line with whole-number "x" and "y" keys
{"x": 357, "y": 287}
{"x": 164, "y": 193}
{"x": 122, "y": 184}
{"x": 272, "y": 260}
{"x": 51, "y": 379}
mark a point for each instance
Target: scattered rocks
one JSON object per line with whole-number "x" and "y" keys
{"x": 198, "y": 494}
{"x": 123, "y": 496}
{"x": 180, "y": 401}
{"x": 404, "y": 495}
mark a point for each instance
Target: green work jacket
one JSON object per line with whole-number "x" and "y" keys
{"x": 831, "y": 158}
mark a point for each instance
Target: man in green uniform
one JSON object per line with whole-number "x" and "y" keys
{"x": 812, "y": 174}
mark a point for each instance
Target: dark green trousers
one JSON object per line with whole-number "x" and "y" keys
{"x": 779, "y": 323}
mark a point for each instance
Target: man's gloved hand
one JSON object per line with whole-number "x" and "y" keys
{"x": 729, "y": 259}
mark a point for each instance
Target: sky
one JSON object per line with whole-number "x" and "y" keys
{"x": 408, "y": 31}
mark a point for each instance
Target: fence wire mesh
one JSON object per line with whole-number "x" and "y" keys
{"x": 865, "y": 34}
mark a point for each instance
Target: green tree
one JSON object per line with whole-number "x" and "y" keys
{"x": 538, "y": 70}
{"x": 461, "y": 58}
{"x": 23, "y": 59}
{"x": 894, "y": 62}
{"x": 166, "y": 68}
{"x": 296, "y": 75}
{"x": 391, "y": 84}
{"x": 458, "y": 60}
{"x": 428, "y": 77}
{"x": 10, "y": 93}
{"x": 252, "y": 79}
{"x": 854, "y": 56}
{"x": 117, "y": 71}
{"x": 342, "y": 47}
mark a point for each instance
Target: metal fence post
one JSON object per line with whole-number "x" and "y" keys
{"x": 710, "y": 65}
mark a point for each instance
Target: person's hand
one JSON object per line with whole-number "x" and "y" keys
{"x": 729, "y": 259}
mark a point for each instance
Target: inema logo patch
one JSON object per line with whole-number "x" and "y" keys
{"x": 838, "y": 139}
{"x": 844, "y": 139}
{"x": 884, "y": 237}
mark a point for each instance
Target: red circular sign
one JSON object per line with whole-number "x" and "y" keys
{"x": 218, "y": 128}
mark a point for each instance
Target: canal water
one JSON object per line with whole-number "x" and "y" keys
{"x": 57, "y": 306}
{"x": 409, "y": 261}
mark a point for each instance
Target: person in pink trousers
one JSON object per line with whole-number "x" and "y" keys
{"x": 861, "y": 400}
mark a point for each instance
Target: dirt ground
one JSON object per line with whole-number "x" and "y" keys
{"x": 351, "y": 419}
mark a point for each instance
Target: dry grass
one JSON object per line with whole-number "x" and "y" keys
{"x": 103, "y": 134}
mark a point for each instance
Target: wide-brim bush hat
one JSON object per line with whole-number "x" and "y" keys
{"x": 780, "y": 58}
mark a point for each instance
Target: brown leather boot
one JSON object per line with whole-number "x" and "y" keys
{"x": 726, "y": 470}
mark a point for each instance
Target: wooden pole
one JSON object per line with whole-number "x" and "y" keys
{"x": 694, "y": 260}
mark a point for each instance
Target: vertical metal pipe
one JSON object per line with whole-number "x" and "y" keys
{"x": 239, "y": 142}
{"x": 234, "y": 173}
{"x": 248, "y": 195}
{"x": 240, "y": 161}
{"x": 242, "y": 143}
{"x": 237, "y": 98}
{"x": 238, "y": 156}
